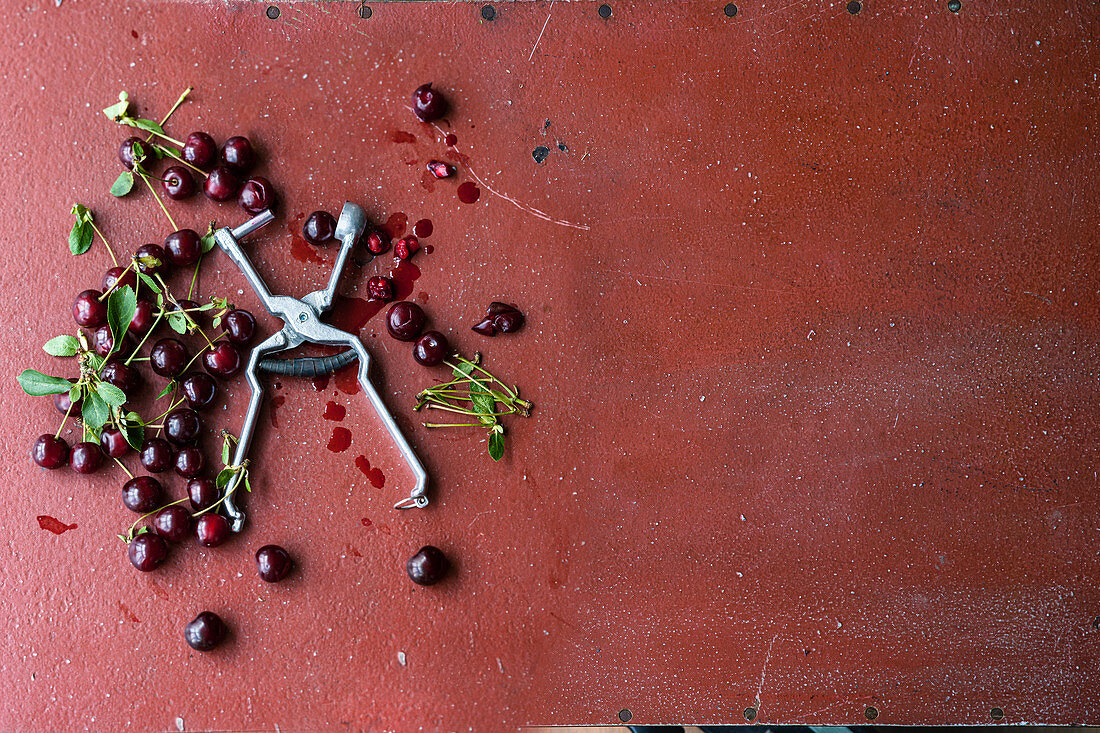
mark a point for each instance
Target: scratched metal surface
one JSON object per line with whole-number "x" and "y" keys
{"x": 812, "y": 337}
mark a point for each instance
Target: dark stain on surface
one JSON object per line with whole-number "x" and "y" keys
{"x": 50, "y": 524}
{"x": 540, "y": 154}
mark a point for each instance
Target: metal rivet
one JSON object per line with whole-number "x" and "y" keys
{"x": 997, "y": 714}
{"x": 364, "y": 11}
{"x": 750, "y": 714}
{"x": 625, "y": 715}
{"x": 854, "y": 7}
{"x": 871, "y": 712}
{"x": 954, "y": 6}
{"x": 730, "y": 10}
{"x": 605, "y": 11}
{"x": 488, "y": 12}
{"x": 303, "y": 317}
{"x": 273, "y": 12}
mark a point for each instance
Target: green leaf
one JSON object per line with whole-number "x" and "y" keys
{"x": 224, "y": 477}
{"x": 62, "y": 346}
{"x": 111, "y": 394}
{"x": 147, "y": 125}
{"x": 76, "y": 393}
{"x": 207, "y": 242}
{"x": 121, "y": 306}
{"x": 225, "y": 452}
{"x": 463, "y": 370}
{"x": 123, "y": 184}
{"x": 133, "y": 430}
{"x": 247, "y": 482}
{"x": 151, "y": 262}
{"x": 38, "y": 384}
{"x": 167, "y": 389}
{"x": 118, "y": 110}
{"x": 95, "y": 361}
{"x": 178, "y": 321}
{"x": 96, "y": 412}
{"x": 483, "y": 403}
{"x": 81, "y": 212}
{"x": 152, "y": 284}
{"x": 496, "y": 444}
{"x": 81, "y": 237}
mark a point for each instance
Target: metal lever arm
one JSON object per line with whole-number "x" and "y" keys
{"x": 349, "y": 228}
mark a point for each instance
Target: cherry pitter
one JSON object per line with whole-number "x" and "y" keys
{"x": 302, "y": 319}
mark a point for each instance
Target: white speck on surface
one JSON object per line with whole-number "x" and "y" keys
{"x": 401, "y": 658}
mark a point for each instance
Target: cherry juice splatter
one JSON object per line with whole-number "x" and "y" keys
{"x": 335, "y": 411}
{"x": 374, "y": 475}
{"x": 423, "y": 228}
{"x": 468, "y": 193}
{"x": 340, "y": 440}
{"x": 50, "y": 524}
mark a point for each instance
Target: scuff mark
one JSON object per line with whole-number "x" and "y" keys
{"x": 532, "y": 54}
{"x": 764, "y": 674}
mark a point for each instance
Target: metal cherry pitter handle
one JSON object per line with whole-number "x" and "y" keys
{"x": 303, "y": 325}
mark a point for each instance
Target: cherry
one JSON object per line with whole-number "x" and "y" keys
{"x": 427, "y": 566}
{"x": 222, "y": 184}
{"x": 125, "y": 377}
{"x": 86, "y": 457}
{"x": 190, "y": 462}
{"x": 203, "y": 492}
{"x": 120, "y": 275}
{"x": 88, "y": 310}
{"x": 428, "y": 103}
{"x": 156, "y": 455}
{"x": 320, "y": 227}
{"x": 273, "y": 563}
{"x": 406, "y": 247}
{"x": 223, "y": 360}
{"x": 113, "y": 442}
{"x": 199, "y": 149}
{"x": 377, "y": 243}
{"x": 126, "y": 151}
{"x": 66, "y": 406}
{"x": 178, "y": 183}
{"x": 431, "y": 348}
{"x": 49, "y": 451}
{"x": 151, "y": 259}
{"x": 405, "y": 321}
{"x": 205, "y": 633}
{"x": 169, "y": 358}
{"x": 147, "y": 551}
{"x": 257, "y": 194}
{"x": 237, "y": 154}
{"x": 102, "y": 340}
{"x": 239, "y": 326}
{"x": 380, "y": 287}
{"x": 145, "y": 315}
{"x": 508, "y": 322}
{"x": 485, "y": 327}
{"x": 182, "y": 426}
{"x": 439, "y": 169}
{"x": 183, "y": 247}
{"x": 212, "y": 530}
{"x": 173, "y": 523}
{"x": 199, "y": 390}
{"x": 141, "y": 494}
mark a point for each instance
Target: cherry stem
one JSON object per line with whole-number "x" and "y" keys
{"x": 123, "y": 467}
{"x": 111, "y": 289}
{"x": 153, "y": 191}
{"x": 239, "y": 473}
{"x": 162, "y": 136}
{"x": 453, "y": 425}
{"x": 195, "y": 277}
{"x": 130, "y": 533}
{"x": 144, "y": 338}
{"x": 172, "y": 154}
{"x": 172, "y": 299}
{"x": 67, "y": 411}
{"x": 105, "y": 243}
{"x": 175, "y": 106}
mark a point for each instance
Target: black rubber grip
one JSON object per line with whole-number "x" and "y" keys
{"x": 307, "y": 366}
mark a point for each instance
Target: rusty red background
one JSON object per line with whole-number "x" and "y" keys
{"x": 812, "y": 335}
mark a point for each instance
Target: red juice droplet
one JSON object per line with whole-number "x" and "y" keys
{"x": 374, "y": 475}
{"x": 400, "y": 136}
{"x": 451, "y": 140}
{"x": 468, "y": 193}
{"x": 395, "y": 225}
{"x": 347, "y": 379}
{"x": 428, "y": 249}
{"x": 321, "y": 383}
{"x": 403, "y": 276}
{"x": 422, "y": 297}
{"x": 364, "y": 521}
{"x": 350, "y": 314}
{"x": 53, "y": 525}
{"x": 276, "y": 402}
{"x": 340, "y": 440}
{"x": 335, "y": 411}
{"x": 128, "y": 614}
{"x": 423, "y": 228}
{"x": 427, "y": 182}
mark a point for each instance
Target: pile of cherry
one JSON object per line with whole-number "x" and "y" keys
{"x": 226, "y": 172}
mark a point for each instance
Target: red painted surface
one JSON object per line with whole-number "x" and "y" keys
{"x": 812, "y": 339}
